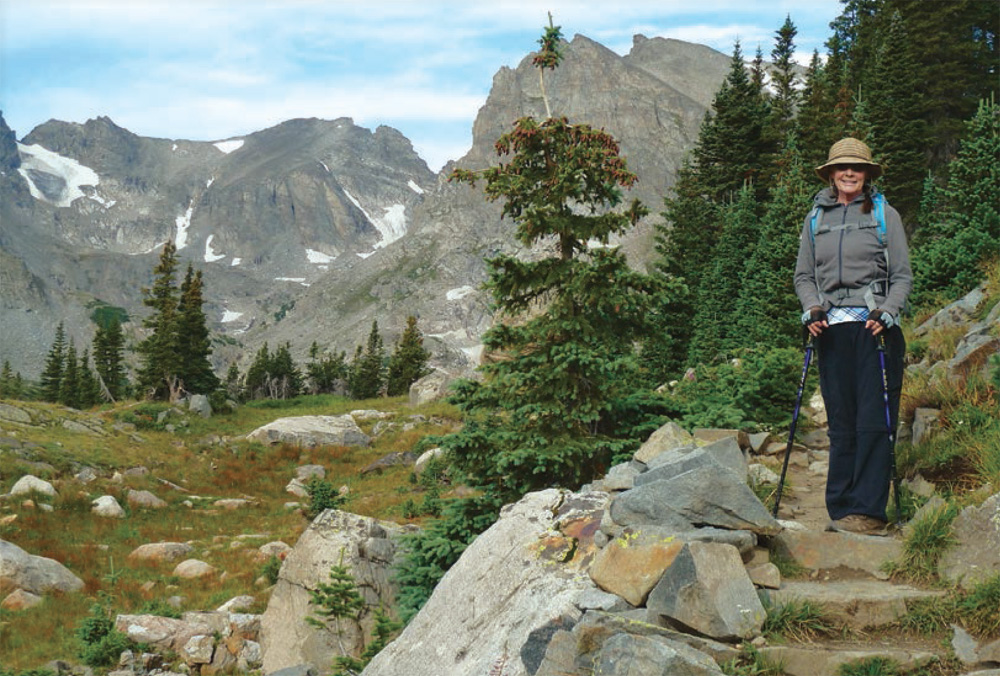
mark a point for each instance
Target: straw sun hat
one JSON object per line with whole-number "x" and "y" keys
{"x": 849, "y": 151}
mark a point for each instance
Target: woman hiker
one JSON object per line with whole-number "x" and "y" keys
{"x": 852, "y": 277}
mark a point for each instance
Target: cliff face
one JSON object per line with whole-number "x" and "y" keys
{"x": 311, "y": 229}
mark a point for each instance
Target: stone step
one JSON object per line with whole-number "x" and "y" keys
{"x": 820, "y": 660}
{"x": 858, "y": 604}
{"x": 817, "y": 550}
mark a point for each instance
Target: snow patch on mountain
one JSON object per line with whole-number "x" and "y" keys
{"x": 183, "y": 223}
{"x": 392, "y": 224}
{"x": 229, "y": 146}
{"x": 210, "y": 255}
{"x": 52, "y": 177}
{"x": 300, "y": 280}
{"x": 460, "y": 292}
{"x": 230, "y": 316}
{"x": 236, "y": 261}
{"x": 318, "y": 256}
{"x": 415, "y": 188}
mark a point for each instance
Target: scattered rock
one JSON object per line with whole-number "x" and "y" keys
{"x": 976, "y": 557}
{"x": 107, "y": 506}
{"x": 311, "y": 431}
{"x": 236, "y": 604}
{"x": 706, "y": 589}
{"x": 631, "y": 565}
{"x": 925, "y": 422}
{"x": 199, "y": 404}
{"x": 20, "y": 600}
{"x": 30, "y": 484}
{"x": 144, "y": 499}
{"x": 391, "y": 460}
{"x": 430, "y": 388}
{"x": 707, "y": 435}
{"x": 232, "y": 503}
{"x": 827, "y": 551}
{"x": 161, "y": 551}
{"x": 305, "y": 472}
{"x": 192, "y": 569}
{"x": 426, "y": 457}
{"x": 667, "y": 438}
{"x": 34, "y": 574}
{"x": 14, "y": 414}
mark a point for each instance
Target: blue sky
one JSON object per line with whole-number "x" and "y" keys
{"x": 214, "y": 69}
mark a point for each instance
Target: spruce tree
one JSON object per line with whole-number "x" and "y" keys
{"x": 895, "y": 109}
{"x": 785, "y": 101}
{"x": 286, "y": 380}
{"x": 715, "y": 332}
{"x": 53, "y": 371}
{"x": 194, "y": 345}
{"x": 369, "y": 370}
{"x": 767, "y": 310}
{"x": 816, "y": 123}
{"x": 234, "y": 388}
{"x": 950, "y": 251}
{"x": 109, "y": 358}
{"x": 159, "y": 374}
{"x": 258, "y": 376}
{"x": 408, "y": 362}
{"x": 325, "y": 372}
{"x": 90, "y": 392}
{"x": 6, "y": 381}
{"x": 69, "y": 388}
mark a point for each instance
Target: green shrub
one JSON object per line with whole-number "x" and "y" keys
{"x": 871, "y": 666}
{"x": 757, "y": 389}
{"x": 100, "y": 643}
{"x": 271, "y": 569}
{"x": 927, "y": 540}
{"x": 797, "y": 620}
{"x": 160, "y": 608}
{"x": 322, "y": 495}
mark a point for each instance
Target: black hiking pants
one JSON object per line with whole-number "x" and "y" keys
{"x": 850, "y": 378}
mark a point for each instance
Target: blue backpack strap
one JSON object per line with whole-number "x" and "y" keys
{"x": 879, "y": 203}
{"x": 814, "y": 223}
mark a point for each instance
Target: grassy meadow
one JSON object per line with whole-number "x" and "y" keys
{"x": 203, "y": 460}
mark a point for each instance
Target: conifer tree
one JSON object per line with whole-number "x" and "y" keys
{"x": 368, "y": 368}
{"x": 767, "y": 310}
{"x": 194, "y": 345}
{"x": 90, "y": 393}
{"x": 895, "y": 109}
{"x": 542, "y": 415}
{"x": 326, "y": 371}
{"x": 783, "y": 78}
{"x": 950, "y": 251}
{"x": 109, "y": 357}
{"x": 53, "y": 371}
{"x": 234, "y": 387}
{"x": 159, "y": 374}
{"x": 408, "y": 362}
{"x": 732, "y": 145}
{"x": 69, "y": 387}
{"x": 259, "y": 374}
{"x": 715, "y": 332}
{"x": 816, "y": 123}
{"x": 286, "y": 380}
{"x": 6, "y": 381}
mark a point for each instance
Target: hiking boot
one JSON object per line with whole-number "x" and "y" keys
{"x": 860, "y": 524}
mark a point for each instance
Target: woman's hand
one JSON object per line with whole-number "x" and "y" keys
{"x": 817, "y": 321}
{"x": 878, "y": 321}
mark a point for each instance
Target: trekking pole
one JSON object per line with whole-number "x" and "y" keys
{"x": 888, "y": 426}
{"x": 795, "y": 421}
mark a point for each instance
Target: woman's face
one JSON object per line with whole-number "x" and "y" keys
{"x": 849, "y": 179}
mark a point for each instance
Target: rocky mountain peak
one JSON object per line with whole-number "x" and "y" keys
{"x": 10, "y": 159}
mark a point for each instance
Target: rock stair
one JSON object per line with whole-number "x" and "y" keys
{"x": 844, "y": 575}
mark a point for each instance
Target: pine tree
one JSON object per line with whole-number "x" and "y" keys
{"x": 732, "y": 144}
{"x": 408, "y": 362}
{"x": 895, "y": 108}
{"x": 325, "y": 372}
{"x": 286, "y": 380}
{"x": 816, "y": 122}
{"x": 6, "y": 381}
{"x": 234, "y": 388}
{"x": 950, "y": 251}
{"x": 53, "y": 372}
{"x": 767, "y": 310}
{"x": 194, "y": 345}
{"x": 158, "y": 376}
{"x": 785, "y": 101}
{"x": 109, "y": 358}
{"x": 69, "y": 388}
{"x": 369, "y": 371}
{"x": 259, "y": 374}
{"x": 90, "y": 392}
{"x": 715, "y": 330}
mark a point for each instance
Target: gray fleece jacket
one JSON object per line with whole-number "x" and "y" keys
{"x": 846, "y": 259}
